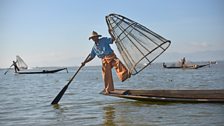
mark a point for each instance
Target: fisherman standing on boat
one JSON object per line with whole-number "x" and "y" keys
{"x": 15, "y": 66}
{"x": 183, "y": 62}
{"x": 103, "y": 50}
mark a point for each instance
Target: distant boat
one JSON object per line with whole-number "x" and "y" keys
{"x": 195, "y": 66}
{"x": 213, "y": 62}
{"x": 185, "y": 65}
{"x": 20, "y": 66}
{"x": 192, "y": 96}
{"x": 41, "y": 72}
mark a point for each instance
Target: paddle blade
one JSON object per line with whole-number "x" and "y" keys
{"x": 6, "y": 72}
{"x": 59, "y": 96}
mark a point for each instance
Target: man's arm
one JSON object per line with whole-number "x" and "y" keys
{"x": 87, "y": 60}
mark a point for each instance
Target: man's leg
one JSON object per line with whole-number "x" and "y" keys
{"x": 107, "y": 77}
{"x": 121, "y": 70}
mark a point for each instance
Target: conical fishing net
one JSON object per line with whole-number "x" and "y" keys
{"x": 20, "y": 63}
{"x": 137, "y": 45}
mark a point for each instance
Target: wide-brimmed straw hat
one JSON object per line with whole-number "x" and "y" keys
{"x": 94, "y": 34}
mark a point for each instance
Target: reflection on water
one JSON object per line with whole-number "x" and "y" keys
{"x": 57, "y": 106}
{"x": 109, "y": 115}
{"x": 134, "y": 113}
{"x": 59, "y": 114}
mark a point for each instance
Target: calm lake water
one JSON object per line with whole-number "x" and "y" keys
{"x": 25, "y": 99}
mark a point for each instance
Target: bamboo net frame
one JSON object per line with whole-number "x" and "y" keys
{"x": 137, "y": 45}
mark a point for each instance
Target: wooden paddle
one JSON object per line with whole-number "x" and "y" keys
{"x": 8, "y": 70}
{"x": 61, "y": 93}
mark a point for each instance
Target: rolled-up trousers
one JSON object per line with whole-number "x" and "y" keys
{"x": 108, "y": 62}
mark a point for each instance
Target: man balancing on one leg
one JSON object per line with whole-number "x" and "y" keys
{"x": 103, "y": 50}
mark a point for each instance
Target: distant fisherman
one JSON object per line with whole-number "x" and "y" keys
{"x": 183, "y": 62}
{"x": 15, "y": 66}
{"x": 103, "y": 50}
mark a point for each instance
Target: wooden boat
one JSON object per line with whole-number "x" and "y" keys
{"x": 194, "y": 96}
{"x": 196, "y": 66}
{"x": 41, "y": 72}
{"x": 184, "y": 65}
{"x": 20, "y": 65}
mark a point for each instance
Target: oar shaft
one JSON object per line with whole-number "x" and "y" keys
{"x": 61, "y": 93}
{"x": 75, "y": 75}
{"x": 8, "y": 69}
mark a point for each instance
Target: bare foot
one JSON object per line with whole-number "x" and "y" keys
{"x": 106, "y": 92}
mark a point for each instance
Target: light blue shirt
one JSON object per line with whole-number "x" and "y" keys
{"x": 102, "y": 48}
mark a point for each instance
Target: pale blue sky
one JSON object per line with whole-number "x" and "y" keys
{"x": 55, "y": 32}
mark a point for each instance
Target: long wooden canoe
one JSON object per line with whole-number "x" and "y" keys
{"x": 41, "y": 72}
{"x": 196, "y": 66}
{"x": 197, "y": 96}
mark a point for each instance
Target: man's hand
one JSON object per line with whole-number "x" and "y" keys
{"x": 83, "y": 63}
{"x": 110, "y": 30}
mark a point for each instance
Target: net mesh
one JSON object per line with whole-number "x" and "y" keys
{"x": 137, "y": 45}
{"x": 20, "y": 63}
